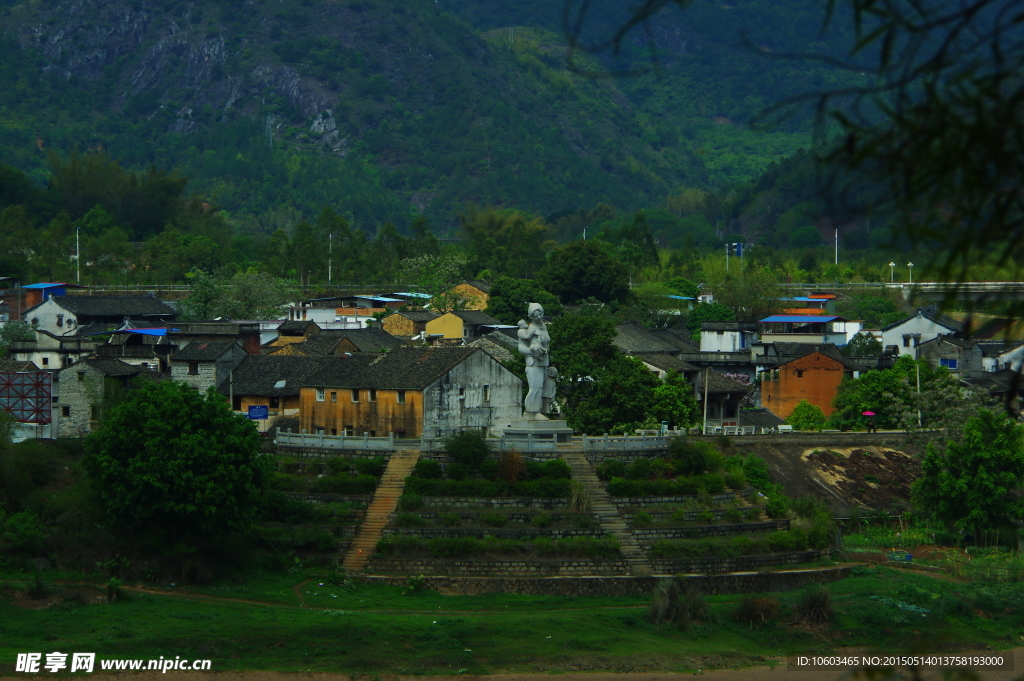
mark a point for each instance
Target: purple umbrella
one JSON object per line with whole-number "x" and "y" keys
{"x": 868, "y": 413}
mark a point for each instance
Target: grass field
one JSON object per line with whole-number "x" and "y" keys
{"x": 382, "y": 629}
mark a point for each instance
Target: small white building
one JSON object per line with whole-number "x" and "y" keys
{"x": 918, "y": 328}
{"x": 727, "y": 336}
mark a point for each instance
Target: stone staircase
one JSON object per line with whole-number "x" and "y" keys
{"x": 606, "y": 511}
{"x": 383, "y": 504}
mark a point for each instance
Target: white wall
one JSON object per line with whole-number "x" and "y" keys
{"x": 924, "y": 328}
{"x": 725, "y": 341}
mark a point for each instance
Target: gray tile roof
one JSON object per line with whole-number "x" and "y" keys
{"x": 494, "y": 348}
{"x": 263, "y": 374}
{"x": 115, "y": 306}
{"x": 931, "y": 315}
{"x": 717, "y": 383}
{"x": 114, "y": 367}
{"x": 760, "y": 418}
{"x": 418, "y": 315}
{"x": 14, "y": 366}
{"x": 372, "y": 339}
{"x": 203, "y": 351}
{"x": 296, "y": 325}
{"x": 999, "y": 382}
{"x": 404, "y": 368}
{"x": 475, "y": 317}
{"x": 632, "y": 337}
{"x": 666, "y": 362}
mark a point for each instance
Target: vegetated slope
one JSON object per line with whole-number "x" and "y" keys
{"x": 383, "y": 108}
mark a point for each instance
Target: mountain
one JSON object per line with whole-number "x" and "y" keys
{"x": 385, "y": 109}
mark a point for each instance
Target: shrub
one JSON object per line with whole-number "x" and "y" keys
{"x": 787, "y": 540}
{"x": 807, "y": 416}
{"x": 672, "y": 603}
{"x": 712, "y": 484}
{"x": 611, "y": 469}
{"x": 705, "y": 517}
{"x": 374, "y": 466}
{"x": 815, "y": 605}
{"x": 810, "y": 507}
{"x": 757, "y": 610}
{"x": 755, "y": 470}
{"x": 427, "y": 468}
{"x": 821, "y": 533}
{"x": 511, "y": 466}
{"x": 450, "y": 519}
{"x": 338, "y": 466}
{"x": 734, "y": 515}
{"x": 777, "y": 506}
{"x": 582, "y": 521}
{"x": 752, "y": 513}
{"x": 690, "y": 457}
{"x": 494, "y": 519}
{"x": 579, "y": 547}
{"x": 345, "y": 484}
{"x": 285, "y": 482}
{"x": 642, "y": 519}
{"x": 541, "y": 520}
{"x": 579, "y": 497}
{"x": 280, "y": 508}
{"x": 641, "y": 469}
{"x": 735, "y": 480}
{"x": 405, "y": 519}
{"x": 557, "y": 469}
{"x": 458, "y": 471}
{"x": 467, "y": 447}
{"x": 489, "y": 469}
{"x": 410, "y": 502}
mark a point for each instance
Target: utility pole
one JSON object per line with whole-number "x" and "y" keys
{"x": 837, "y": 244}
{"x": 78, "y": 258}
{"x": 704, "y": 429}
{"x": 728, "y": 248}
{"x": 330, "y": 251}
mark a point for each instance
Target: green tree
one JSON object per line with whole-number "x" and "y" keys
{"x": 14, "y": 331}
{"x": 807, "y": 416}
{"x": 509, "y": 298}
{"x": 579, "y": 345}
{"x": 683, "y": 287}
{"x": 177, "y": 467}
{"x": 974, "y": 484}
{"x": 616, "y": 398}
{"x": 582, "y": 270}
{"x": 673, "y": 401}
{"x": 708, "y": 312}
{"x": 863, "y": 344}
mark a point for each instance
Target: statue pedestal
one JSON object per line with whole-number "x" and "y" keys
{"x": 558, "y": 431}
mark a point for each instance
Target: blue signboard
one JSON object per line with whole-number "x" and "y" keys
{"x": 259, "y": 411}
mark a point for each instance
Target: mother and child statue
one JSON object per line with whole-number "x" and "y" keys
{"x": 534, "y": 345}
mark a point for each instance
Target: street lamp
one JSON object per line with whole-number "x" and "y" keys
{"x": 892, "y": 272}
{"x": 837, "y": 244}
{"x": 911, "y": 266}
{"x": 78, "y": 256}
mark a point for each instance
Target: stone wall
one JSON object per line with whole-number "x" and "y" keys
{"x": 597, "y": 457}
{"x": 481, "y": 568}
{"x": 824, "y": 440}
{"x": 328, "y": 498}
{"x": 625, "y": 502}
{"x": 524, "y": 534}
{"x": 653, "y": 534}
{"x": 545, "y": 503}
{"x": 672, "y": 566}
{"x": 472, "y": 518}
{"x": 328, "y": 453}
{"x": 788, "y": 580}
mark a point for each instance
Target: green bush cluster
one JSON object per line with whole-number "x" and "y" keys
{"x": 427, "y": 468}
{"x": 343, "y": 466}
{"x": 469, "y": 547}
{"x": 730, "y": 547}
{"x": 476, "y": 487}
{"x": 345, "y": 484}
{"x": 710, "y": 483}
{"x": 298, "y": 539}
{"x": 280, "y": 508}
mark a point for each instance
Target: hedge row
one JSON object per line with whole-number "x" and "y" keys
{"x": 621, "y": 487}
{"x": 544, "y": 487}
{"x": 345, "y": 484}
{"x": 741, "y": 545}
{"x": 469, "y": 547}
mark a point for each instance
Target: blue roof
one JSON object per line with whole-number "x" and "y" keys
{"x": 679, "y": 297}
{"x": 413, "y": 295}
{"x": 800, "y": 318}
{"x": 149, "y": 332}
{"x": 381, "y": 298}
{"x": 805, "y": 299}
{"x": 47, "y": 284}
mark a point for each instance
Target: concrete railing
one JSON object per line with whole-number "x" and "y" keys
{"x": 525, "y": 445}
{"x": 364, "y": 441}
{"x": 608, "y": 443}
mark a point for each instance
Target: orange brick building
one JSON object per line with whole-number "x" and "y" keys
{"x": 815, "y": 377}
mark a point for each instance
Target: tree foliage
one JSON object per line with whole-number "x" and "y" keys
{"x": 177, "y": 467}
{"x": 708, "y": 312}
{"x": 509, "y": 298}
{"x": 807, "y": 416}
{"x": 975, "y": 484}
{"x": 582, "y": 270}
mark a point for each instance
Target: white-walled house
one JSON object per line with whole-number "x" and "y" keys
{"x": 66, "y": 315}
{"x": 727, "y": 336}
{"x": 918, "y": 328}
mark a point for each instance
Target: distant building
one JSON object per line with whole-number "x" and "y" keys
{"x": 815, "y": 377}
{"x": 206, "y": 365}
{"x": 476, "y": 292}
{"x": 921, "y": 327}
{"x": 407, "y": 323}
{"x": 413, "y": 392}
{"x": 51, "y": 352}
{"x": 87, "y": 385}
{"x": 461, "y": 324}
{"x": 68, "y": 315}
{"x": 727, "y": 336}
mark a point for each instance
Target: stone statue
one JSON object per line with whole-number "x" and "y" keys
{"x": 534, "y": 342}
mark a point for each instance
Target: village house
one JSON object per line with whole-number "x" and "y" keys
{"x": 475, "y": 292}
{"x": 815, "y": 377}
{"x": 727, "y": 336}
{"x": 371, "y": 339}
{"x": 18, "y": 299}
{"x": 51, "y": 352}
{"x": 972, "y": 358}
{"x": 292, "y": 332}
{"x": 206, "y": 365}
{"x": 804, "y": 328}
{"x": 461, "y": 324}
{"x": 921, "y": 327}
{"x": 407, "y": 323}
{"x": 70, "y": 315}
{"x": 86, "y": 387}
{"x": 413, "y": 392}
{"x": 274, "y": 382}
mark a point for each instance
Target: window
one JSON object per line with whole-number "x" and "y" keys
{"x": 487, "y": 393}
{"x": 401, "y": 396}
{"x": 81, "y": 375}
{"x": 65, "y": 411}
{"x": 948, "y": 363}
{"x": 373, "y": 394}
{"x": 906, "y": 341}
{"x": 799, "y": 373}
{"x": 193, "y": 368}
{"x": 355, "y": 395}
{"x": 334, "y": 431}
{"x": 334, "y": 396}
{"x": 462, "y": 393}
{"x": 60, "y": 320}
{"x": 46, "y": 361}
{"x": 319, "y": 394}
{"x": 349, "y": 430}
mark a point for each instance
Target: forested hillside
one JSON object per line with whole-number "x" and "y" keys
{"x": 387, "y": 109}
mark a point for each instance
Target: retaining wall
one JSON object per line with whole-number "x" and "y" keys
{"x": 524, "y": 534}
{"x": 306, "y": 452}
{"x": 544, "y": 503}
{"x": 747, "y": 582}
{"x": 673, "y": 566}
{"x": 475, "y": 519}
{"x": 480, "y": 568}
{"x": 316, "y": 498}
{"x": 653, "y": 534}
{"x": 625, "y": 502}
